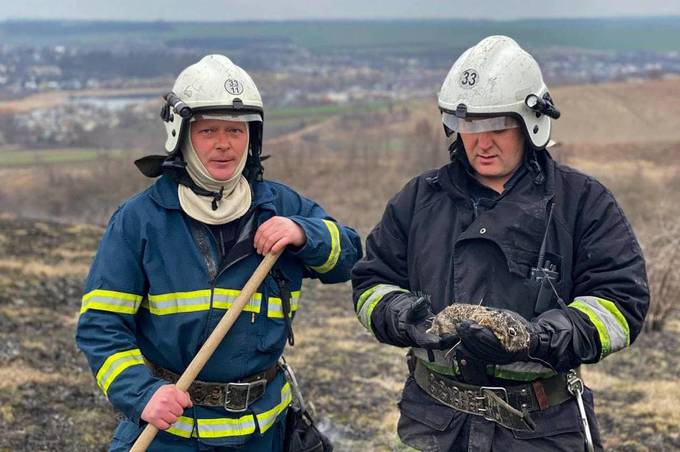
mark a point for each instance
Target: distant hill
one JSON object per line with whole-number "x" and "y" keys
{"x": 632, "y": 112}
{"x": 659, "y": 34}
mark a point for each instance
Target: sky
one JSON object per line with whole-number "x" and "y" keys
{"x": 240, "y": 10}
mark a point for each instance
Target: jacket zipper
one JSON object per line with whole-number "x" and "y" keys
{"x": 221, "y": 269}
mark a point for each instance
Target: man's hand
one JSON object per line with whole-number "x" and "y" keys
{"x": 276, "y": 233}
{"x": 416, "y": 320}
{"x": 481, "y": 343}
{"x": 165, "y": 405}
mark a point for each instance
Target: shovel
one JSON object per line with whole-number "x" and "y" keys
{"x": 208, "y": 348}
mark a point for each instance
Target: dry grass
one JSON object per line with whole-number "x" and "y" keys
{"x": 32, "y": 268}
{"x": 68, "y": 319}
{"x": 19, "y": 373}
{"x": 658, "y": 404}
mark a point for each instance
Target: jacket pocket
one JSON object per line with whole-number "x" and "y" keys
{"x": 273, "y": 338}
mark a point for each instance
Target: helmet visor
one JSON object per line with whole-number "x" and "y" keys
{"x": 247, "y": 117}
{"x": 478, "y": 125}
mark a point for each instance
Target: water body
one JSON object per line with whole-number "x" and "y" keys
{"x": 112, "y": 102}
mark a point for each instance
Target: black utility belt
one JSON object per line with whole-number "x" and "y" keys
{"x": 235, "y": 397}
{"x": 508, "y": 406}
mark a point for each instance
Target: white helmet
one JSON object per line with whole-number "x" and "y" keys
{"x": 497, "y": 78}
{"x": 214, "y": 84}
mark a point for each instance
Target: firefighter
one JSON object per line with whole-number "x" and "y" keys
{"x": 175, "y": 257}
{"x": 503, "y": 226}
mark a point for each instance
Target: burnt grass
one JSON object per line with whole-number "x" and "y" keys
{"x": 49, "y": 399}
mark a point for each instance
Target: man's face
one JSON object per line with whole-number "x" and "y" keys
{"x": 494, "y": 155}
{"x": 220, "y": 145}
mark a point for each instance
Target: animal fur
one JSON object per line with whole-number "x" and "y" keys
{"x": 511, "y": 330}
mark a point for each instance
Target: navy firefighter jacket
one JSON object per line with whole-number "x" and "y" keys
{"x": 155, "y": 293}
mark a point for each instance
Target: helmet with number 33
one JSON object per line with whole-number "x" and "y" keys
{"x": 497, "y": 78}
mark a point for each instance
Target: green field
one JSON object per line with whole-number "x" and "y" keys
{"x": 29, "y": 157}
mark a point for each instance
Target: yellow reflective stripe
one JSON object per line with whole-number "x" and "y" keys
{"x": 213, "y": 428}
{"x": 601, "y": 329}
{"x": 370, "y": 298}
{"x": 115, "y": 364}
{"x": 220, "y": 427}
{"x": 267, "y": 418}
{"x": 177, "y": 302}
{"x": 618, "y": 315}
{"x": 183, "y": 426}
{"x": 610, "y": 323}
{"x": 451, "y": 369}
{"x": 111, "y": 301}
{"x": 275, "y": 305}
{"x": 224, "y": 427}
{"x": 198, "y": 300}
{"x": 335, "y": 249}
{"x": 225, "y": 298}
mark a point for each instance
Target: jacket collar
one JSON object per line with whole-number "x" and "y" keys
{"x": 456, "y": 177}
{"x": 164, "y": 193}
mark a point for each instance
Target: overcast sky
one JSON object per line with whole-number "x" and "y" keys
{"x": 229, "y": 10}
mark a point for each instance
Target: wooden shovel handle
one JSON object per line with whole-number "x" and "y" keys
{"x": 213, "y": 341}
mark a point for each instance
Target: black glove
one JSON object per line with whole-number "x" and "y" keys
{"x": 565, "y": 338}
{"x": 481, "y": 343}
{"x": 559, "y": 338}
{"x": 407, "y": 319}
{"x": 417, "y": 320}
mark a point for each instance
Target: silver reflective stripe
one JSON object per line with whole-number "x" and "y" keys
{"x": 275, "y": 305}
{"x": 198, "y": 300}
{"x": 115, "y": 364}
{"x": 335, "y": 250}
{"x": 225, "y": 298}
{"x": 173, "y": 303}
{"x": 217, "y": 428}
{"x": 522, "y": 371}
{"x": 111, "y": 301}
{"x": 225, "y": 427}
{"x": 441, "y": 364}
{"x": 182, "y": 427}
{"x": 267, "y": 418}
{"x": 213, "y": 428}
{"x": 610, "y": 323}
{"x": 370, "y": 298}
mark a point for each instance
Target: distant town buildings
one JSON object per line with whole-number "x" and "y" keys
{"x": 287, "y": 75}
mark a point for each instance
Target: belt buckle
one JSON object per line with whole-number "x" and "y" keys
{"x": 235, "y": 402}
{"x": 485, "y": 407}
